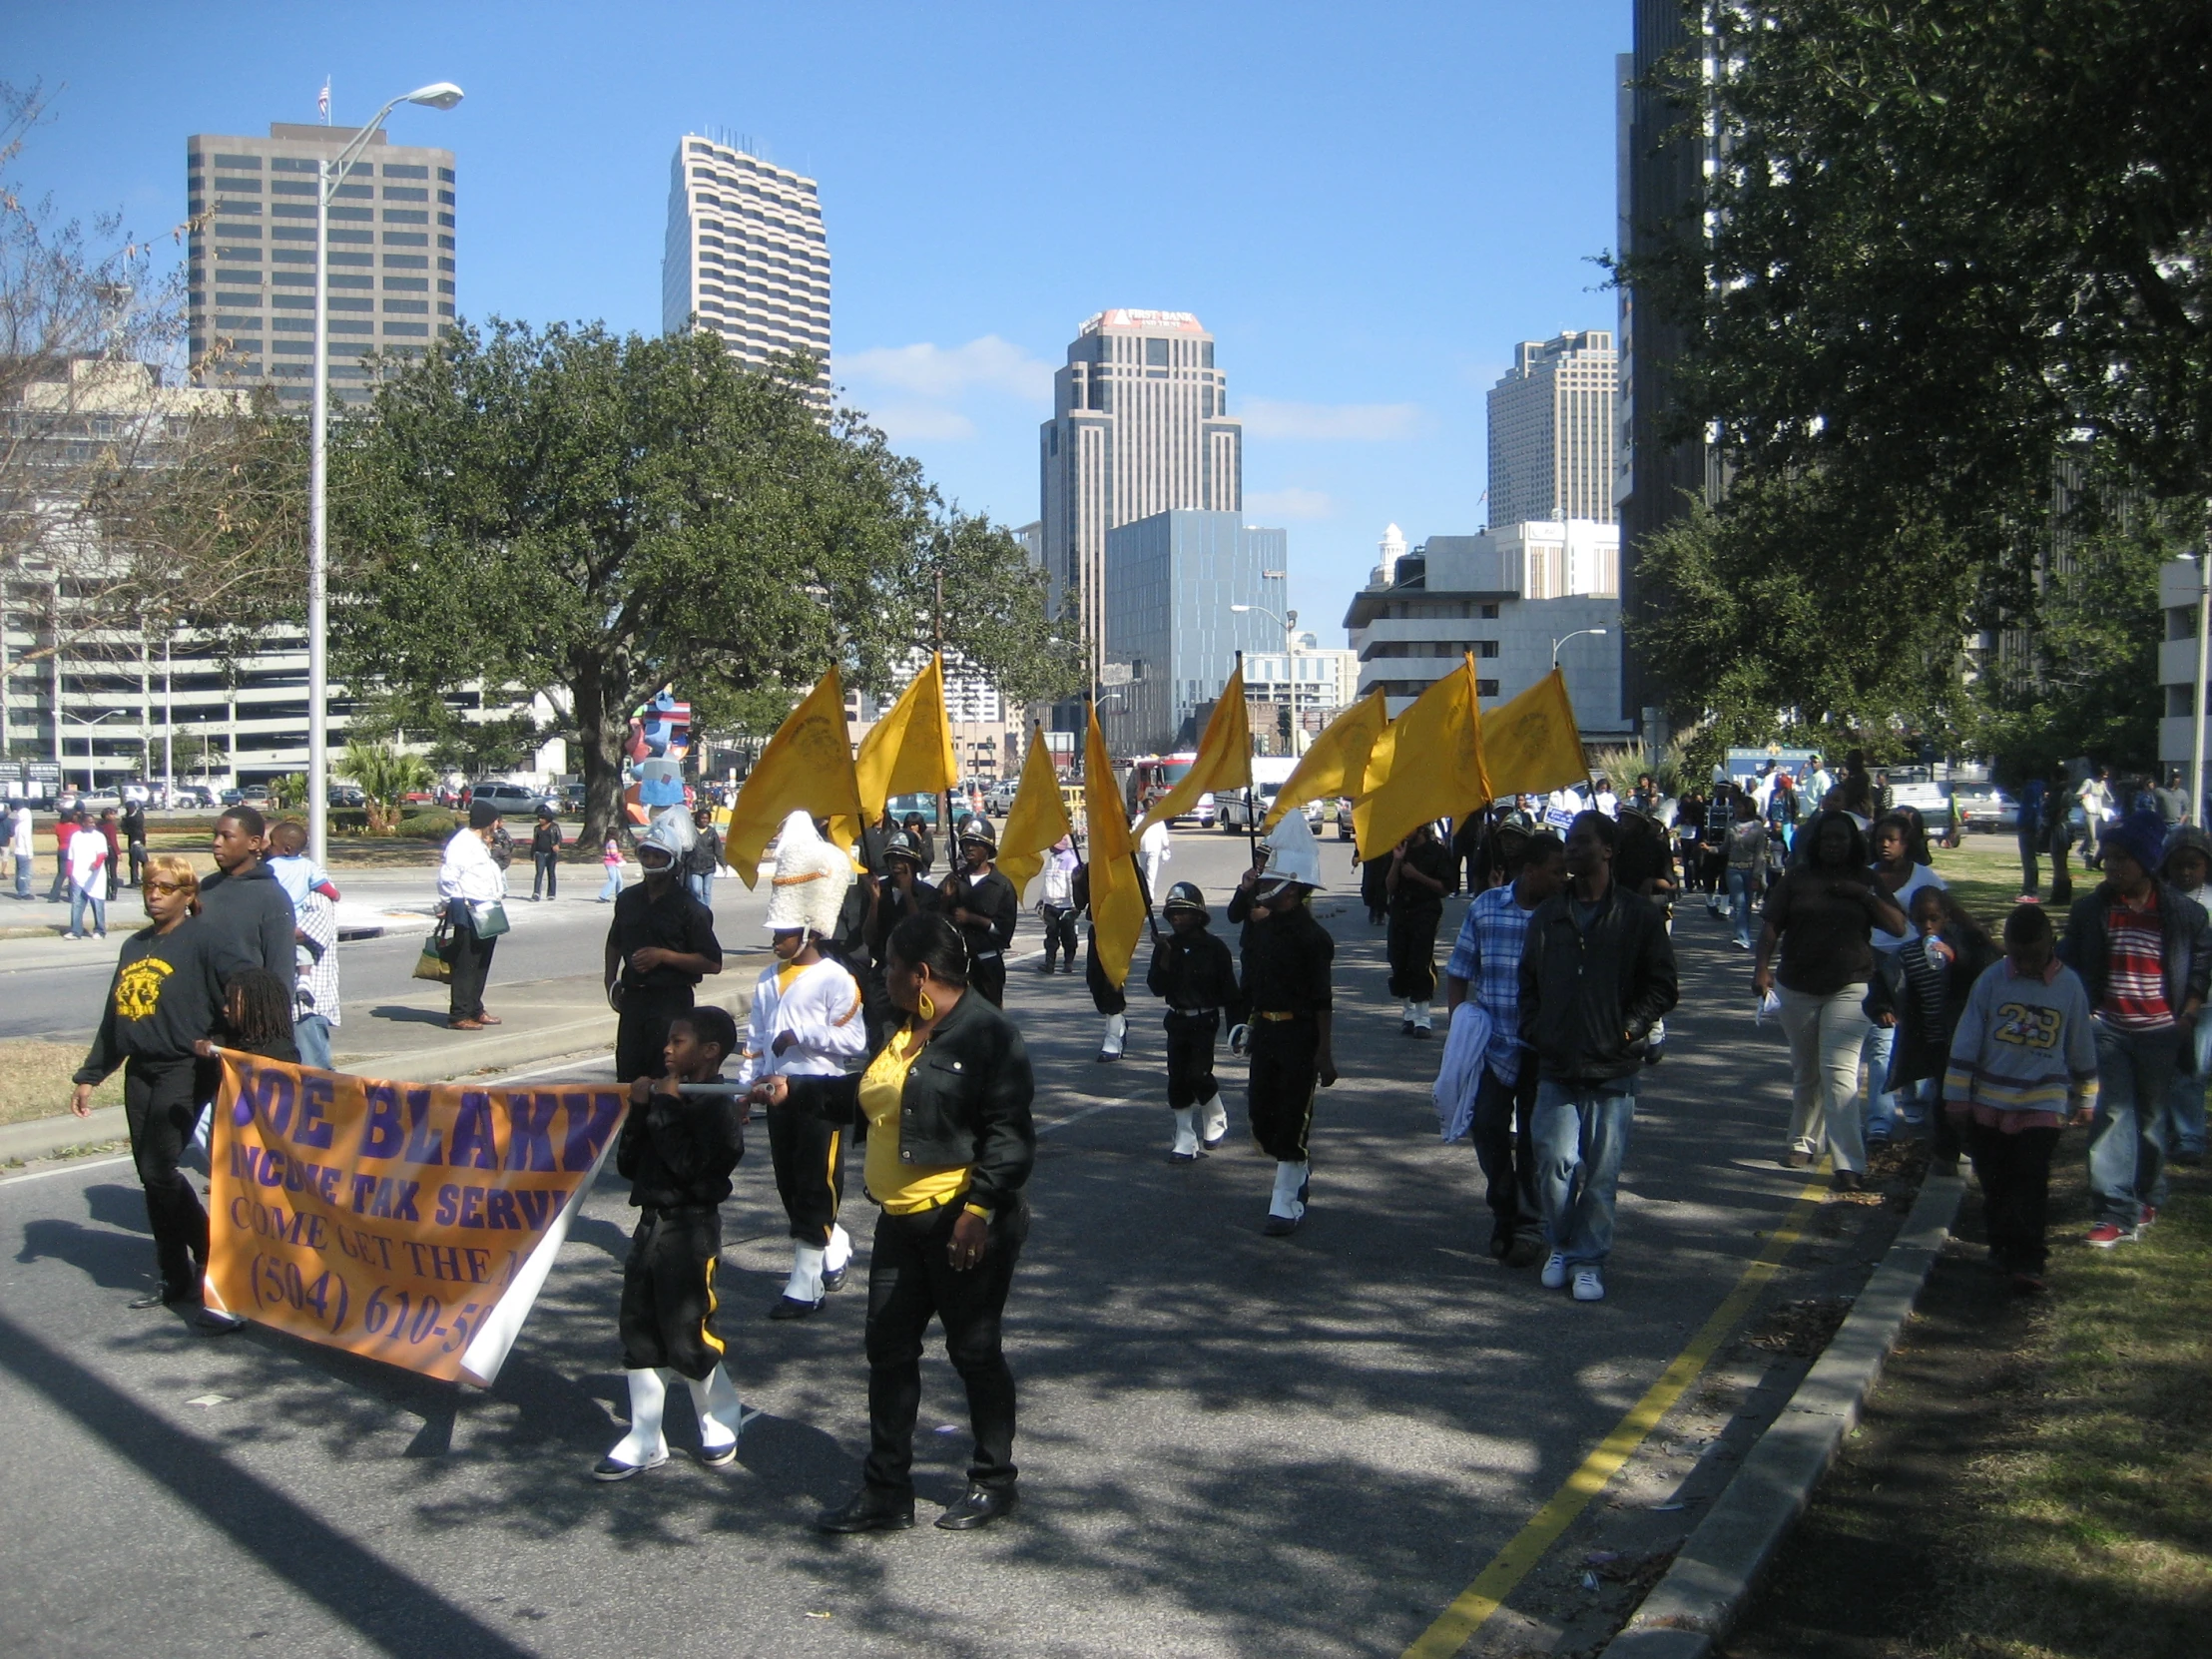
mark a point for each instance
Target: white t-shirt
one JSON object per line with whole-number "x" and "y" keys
{"x": 87, "y": 855}
{"x": 1920, "y": 877}
{"x": 19, "y": 842}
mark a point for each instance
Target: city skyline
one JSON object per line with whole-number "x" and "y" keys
{"x": 1347, "y": 266}
{"x": 746, "y": 254}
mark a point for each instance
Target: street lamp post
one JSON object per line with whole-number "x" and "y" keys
{"x": 1287, "y": 620}
{"x": 441, "y": 95}
{"x": 1598, "y": 633}
{"x": 2196, "y": 702}
{"x": 92, "y": 783}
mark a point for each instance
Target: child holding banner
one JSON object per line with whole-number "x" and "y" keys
{"x": 677, "y": 1155}
{"x": 166, "y": 996}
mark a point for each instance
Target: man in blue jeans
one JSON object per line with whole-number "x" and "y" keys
{"x": 2143, "y": 950}
{"x": 1597, "y": 973}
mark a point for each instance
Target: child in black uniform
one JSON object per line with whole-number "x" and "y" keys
{"x": 678, "y": 1154}
{"x": 1192, "y": 969}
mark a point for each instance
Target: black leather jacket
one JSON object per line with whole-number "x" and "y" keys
{"x": 1588, "y": 999}
{"x": 966, "y": 1102}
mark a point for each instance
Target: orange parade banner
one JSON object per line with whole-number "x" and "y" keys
{"x": 412, "y": 1222}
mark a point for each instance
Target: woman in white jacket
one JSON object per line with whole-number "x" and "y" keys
{"x": 474, "y": 889}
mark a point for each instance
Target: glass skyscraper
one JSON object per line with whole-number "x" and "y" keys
{"x": 1171, "y": 580}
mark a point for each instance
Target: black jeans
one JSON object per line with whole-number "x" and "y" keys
{"x": 641, "y": 1032}
{"x": 2014, "y": 1171}
{"x": 910, "y": 1280}
{"x": 472, "y": 965}
{"x": 2032, "y": 871}
{"x": 1191, "y": 1042}
{"x": 1504, "y": 1113}
{"x": 1282, "y": 1079}
{"x": 987, "y": 978}
{"x": 1412, "y": 952}
{"x": 546, "y": 874}
{"x": 1059, "y": 936}
{"x": 159, "y": 1103}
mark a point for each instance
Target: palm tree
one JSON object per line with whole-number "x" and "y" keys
{"x": 386, "y": 774}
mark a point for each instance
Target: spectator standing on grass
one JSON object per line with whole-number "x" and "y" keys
{"x": 2173, "y": 800}
{"x": 1821, "y": 916}
{"x": 65, "y": 830}
{"x": 22, "y": 844}
{"x": 1596, "y": 974}
{"x": 2143, "y": 950}
{"x": 134, "y": 837}
{"x": 2188, "y": 866}
{"x": 88, "y": 883}
{"x": 2029, "y": 829}
{"x": 2022, "y": 1063}
{"x": 111, "y": 831}
{"x": 2096, "y": 799}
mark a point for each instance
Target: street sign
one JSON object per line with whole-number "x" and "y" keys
{"x": 1115, "y": 674}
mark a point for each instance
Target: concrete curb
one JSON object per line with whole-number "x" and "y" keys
{"x": 1721, "y": 1564}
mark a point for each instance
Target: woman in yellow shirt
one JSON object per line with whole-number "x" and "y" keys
{"x": 950, "y": 1145}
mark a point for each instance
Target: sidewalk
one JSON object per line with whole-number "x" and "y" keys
{"x": 408, "y": 1039}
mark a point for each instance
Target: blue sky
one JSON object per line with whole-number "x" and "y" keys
{"x": 1366, "y": 204}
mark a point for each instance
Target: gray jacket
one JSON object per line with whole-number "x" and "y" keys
{"x": 2185, "y": 944}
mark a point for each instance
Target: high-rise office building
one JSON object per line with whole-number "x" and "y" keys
{"x": 1173, "y": 581}
{"x": 1140, "y": 425}
{"x": 746, "y": 254}
{"x": 1551, "y": 431}
{"x": 251, "y": 257}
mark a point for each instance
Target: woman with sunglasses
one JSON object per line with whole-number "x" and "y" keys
{"x": 950, "y": 1145}
{"x": 168, "y": 993}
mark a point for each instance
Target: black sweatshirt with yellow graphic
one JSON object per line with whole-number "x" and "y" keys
{"x": 166, "y": 996}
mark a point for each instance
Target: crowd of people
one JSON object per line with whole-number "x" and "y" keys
{"x": 879, "y": 1020}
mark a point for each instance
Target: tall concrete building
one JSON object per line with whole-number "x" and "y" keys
{"x": 1140, "y": 426}
{"x": 1551, "y": 431}
{"x": 252, "y": 266}
{"x": 746, "y": 254}
{"x": 1172, "y": 582}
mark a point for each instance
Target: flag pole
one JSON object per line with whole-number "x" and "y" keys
{"x": 1252, "y": 802}
{"x": 1135, "y": 866}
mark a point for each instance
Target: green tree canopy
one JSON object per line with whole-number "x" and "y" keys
{"x": 565, "y": 510}
{"x": 1946, "y": 245}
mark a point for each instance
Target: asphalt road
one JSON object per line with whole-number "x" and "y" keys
{"x": 1231, "y": 1445}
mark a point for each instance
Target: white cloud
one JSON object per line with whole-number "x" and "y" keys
{"x": 947, "y": 371}
{"x": 1288, "y": 503}
{"x": 909, "y": 422}
{"x": 1264, "y": 417}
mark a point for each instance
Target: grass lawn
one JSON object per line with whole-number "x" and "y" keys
{"x": 1984, "y": 873}
{"x": 34, "y": 1079}
{"x": 2091, "y": 1532}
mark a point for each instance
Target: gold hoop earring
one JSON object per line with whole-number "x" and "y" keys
{"x": 926, "y": 1008}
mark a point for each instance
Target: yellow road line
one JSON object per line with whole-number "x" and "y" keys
{"x": 1472, "y": 1607}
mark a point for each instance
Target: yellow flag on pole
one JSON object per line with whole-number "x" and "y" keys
{"x": 807, "y": 767}
{"x": 1337, "y": 765}
{"x": 1223, "y": 756}
{"x": 1532, "y": 745}
{"x": 908, "y": 750}
{"x": 1428, "y": 764}
{"x": 1039, "y": 816}
{"x": 1117, "y": 898}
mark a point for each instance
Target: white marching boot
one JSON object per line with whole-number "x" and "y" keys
{"x": 1185, "y": 1149}
{"x": 721, "y": 1416}
{"x": 1213, "y": 1122}
{"x": 803, "y": 1291}
{"x": 1117, "y": 1027}
{"x": 644, "y": 1448}
{"x": 837, "y": 1258}
{"x": 1288, "y": 1207}
{"x": 1424, "y": 1021}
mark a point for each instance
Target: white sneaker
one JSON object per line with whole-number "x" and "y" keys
{"x": 1588, "y": 1285}
{"x": 1555, "y": 1272}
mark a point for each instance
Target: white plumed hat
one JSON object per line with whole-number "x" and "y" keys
{"x": 811, "y": 881}
{"x": 1293, "y": 854}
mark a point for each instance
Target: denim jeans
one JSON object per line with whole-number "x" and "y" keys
{"x": 82, "y": 898}
{"x": 613, "y": 883}
{"x": 1739, "y": 901}
{"x": 310, "y": 1034}
{"x": 2185, "y": 1104}
{"x": 1826, "y": 1034}
{"x": 1882, "y": 1107}
{"x": 1505, "y": 1148}
{"x": 2128, "y": 1142}
{"x": 1581, "y": 1137}
{"x": 23, "y": 875}
{"x": 703, "y": 889}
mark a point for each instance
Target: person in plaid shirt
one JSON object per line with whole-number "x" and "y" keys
{"x": 1485, "y": 960}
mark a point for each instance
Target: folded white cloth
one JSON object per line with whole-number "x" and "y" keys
{"x": 1461, "y": 1074}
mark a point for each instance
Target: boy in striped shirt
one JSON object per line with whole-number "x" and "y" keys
{"x": 2023, "y": 1062}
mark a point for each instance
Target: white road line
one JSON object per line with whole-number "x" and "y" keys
{"x": 62, "y": 1168}
{"x": 1090, "y": 1111}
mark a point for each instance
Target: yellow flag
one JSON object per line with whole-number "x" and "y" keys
{"x": 1117, "y": 901}
{"x": 1224, "y": 756}
{"x": 1039, "y": 816}
{"x": 1532, "y": 745}
{"x": 1337, "y": 765}
{"x": 807, "y": 767}
{"x": 908, "y": 750}
{"x": 1428, "y": 764}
